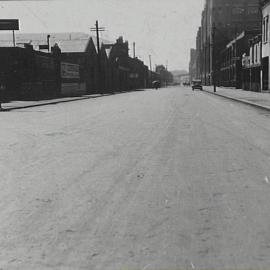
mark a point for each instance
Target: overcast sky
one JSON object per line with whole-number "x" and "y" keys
{"x": 164, "y": 29}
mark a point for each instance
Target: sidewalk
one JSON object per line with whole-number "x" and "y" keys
{"x": 17, "y": 104}
{"x": 257, "y": 99}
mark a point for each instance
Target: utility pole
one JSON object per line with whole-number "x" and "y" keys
{"x": 150, "y": 65}
{"x": 166, "y": 79}
{"x": 48, "y": 42}
{"x": 134, "y": 47}
{"x": 98, "y": 29}
{"x": 14, "y": 42}
{"x": 213, "y": 57}
{"x": 150, "y": 62}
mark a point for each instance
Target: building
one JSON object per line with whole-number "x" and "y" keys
{"x": 138, "y": 75}
{"x": 83, "y": 65}
{"x": 265, "y": 44}
{"x": 27, "y": 74}
{"x": 77, "y": 48}
{"x": 82, "y": 52}
{"x": 251, "y": 66}
{"x": 127, "y": 73}
{"x": 222, "y": 21}
{"x": 192, "y": 64}
{"x": 230, "y": 74}
{"x": 204, "y": 44}
{"x": 198, "y": 66}
{"x": 166, "y": 77}
{"x": 119, "y": 61}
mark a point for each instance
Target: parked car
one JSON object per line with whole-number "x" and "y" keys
{"x": 197, "y": 84}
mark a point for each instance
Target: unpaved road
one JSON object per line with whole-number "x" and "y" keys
{"x": 161, "y": 179}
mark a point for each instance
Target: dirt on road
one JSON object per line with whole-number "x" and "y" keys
{"x": 167, "y": 179}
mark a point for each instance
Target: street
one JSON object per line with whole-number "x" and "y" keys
{"x": 166, "y": 179}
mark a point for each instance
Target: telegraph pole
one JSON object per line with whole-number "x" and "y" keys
{"x": 48, "y": 42}
{"x": 150, "y": 62}
{"x": 213, "y": 57}
{"x": 134, "y": 52}
{"x": 14, "y": 42}
{"x": 98, "y": 29}
{"x": 166, "y": 80}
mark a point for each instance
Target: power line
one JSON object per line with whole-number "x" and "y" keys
{"x": 35, "y": 15}
{"x": 98, "y": 29}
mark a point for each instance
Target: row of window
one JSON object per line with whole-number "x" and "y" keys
{"x": 251, "y": 10}
{"x": 255, "y": 54}
{"x": 241, "y": 10}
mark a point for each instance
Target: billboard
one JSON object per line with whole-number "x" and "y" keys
{"x": 9, "y": 24}
{"x": 70, "y": 71}
{"x": 43, "y": 47}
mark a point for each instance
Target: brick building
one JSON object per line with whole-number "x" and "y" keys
{"x": 265, "y": 44}
{"x": 222, "y": 21}
{"x": 251, "y": 65}
{"x": 192, "y": 64}
{"x": 83, "y": 53}
{"x": 231, "y": 59}
{"x": 198, "y": 66}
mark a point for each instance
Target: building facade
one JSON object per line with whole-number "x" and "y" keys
{"x": 222, "y": 21}
{"x": 193, "y": 64}
{"x": 265, "y": 44}
{"x": 251, "y": 65}
{"x": 231, "y": 59}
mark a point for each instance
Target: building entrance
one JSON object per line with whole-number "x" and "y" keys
{"x": 265, "y": 63}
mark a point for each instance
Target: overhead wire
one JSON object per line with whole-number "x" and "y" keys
{"x": 44, "y": 24}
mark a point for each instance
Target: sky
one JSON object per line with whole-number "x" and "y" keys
{"x": 164, "y": 29}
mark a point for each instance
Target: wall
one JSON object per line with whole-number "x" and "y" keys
{"x": 266, "y": 47}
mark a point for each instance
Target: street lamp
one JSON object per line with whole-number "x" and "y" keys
{"x": 213, "y": 58}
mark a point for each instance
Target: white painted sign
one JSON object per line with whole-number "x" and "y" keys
{"x": 70, "y": 71}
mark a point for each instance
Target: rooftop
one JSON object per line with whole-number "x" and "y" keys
{"x": 68, "y": 42}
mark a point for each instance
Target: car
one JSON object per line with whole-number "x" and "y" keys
{"x": 197, "y": 84}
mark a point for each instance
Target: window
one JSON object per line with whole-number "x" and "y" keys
{"x": 256, "y": 54}
{"x": 265, "y": 28}
{"x": 238, "y": 11}
{"x": 252, "y": 10}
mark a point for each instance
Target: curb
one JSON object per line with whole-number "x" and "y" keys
{"x": 263, "y": 107}
{"x": 52, "y": 102}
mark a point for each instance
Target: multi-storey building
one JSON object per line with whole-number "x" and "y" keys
{"x": 251, "y": 65}
{"x": 231, "y": 72}
{"x": 198, "y": 54}
{"x": 192, "y": 64}
{"x": 222, "y": 21}
{"x": 265, "y": 44}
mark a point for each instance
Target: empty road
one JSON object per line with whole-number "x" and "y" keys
{"x": 167, "y": 179}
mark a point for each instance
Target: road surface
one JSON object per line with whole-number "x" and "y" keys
{"x": 167, "y": 179}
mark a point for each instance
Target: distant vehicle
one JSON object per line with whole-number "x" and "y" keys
{"x": 197, "y": 84}
{"x": 156, "y": 84}
{"x": 186, "y": 84}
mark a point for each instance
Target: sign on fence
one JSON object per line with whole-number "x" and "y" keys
{"x": 70, "y": 71}
{"x": 43, "y": 47}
